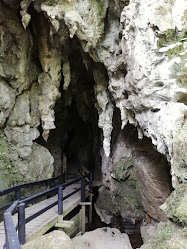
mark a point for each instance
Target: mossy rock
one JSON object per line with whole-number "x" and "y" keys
{"x": 128, "y": 197}
{"x": 122, "y": 168}
{"x": 175, "y": 206}
{"x": 168, "y": 236}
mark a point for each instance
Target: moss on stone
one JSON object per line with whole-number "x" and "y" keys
{"x": 168, "y": 236}
{"x": 121, "y": 169}
{"x": 169, "y": 37}
{"x": 128, "y": 196}
{"x": 6, "y": 166}
{"x": 176, "y": 51}
{"x": 175, "y": 206}
{"x": 51, "y": 2}
{"x": 3, "y": 148}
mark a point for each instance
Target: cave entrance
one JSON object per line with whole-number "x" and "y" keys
{"x": 77, "y": 136}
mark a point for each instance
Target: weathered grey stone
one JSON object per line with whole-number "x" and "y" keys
{"x": 24, "y": 119}
{"x": 148, "y": 231}
{"x": 139, "y": 53}
{"x": 175, "y": 206}
{"x": 103, "y": 238}
{"x": 7, "y": 101}
{"x": 104, "y": 107}
{"x": 85, "y": 20}
{"x": 168, "y": 235}
{"x": 53, "y": 240}
{"x": 136, "y": 180}
{"x": 15, "y": 170}
{"x": 16, "y": 64}
{"x": 49, "y": 79}
{"x": 151, "y": 86}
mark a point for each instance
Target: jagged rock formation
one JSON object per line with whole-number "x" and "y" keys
{"x": 175, "y": 205}
{"x": 59, "y": 59}
{"x": 134, "y": 176}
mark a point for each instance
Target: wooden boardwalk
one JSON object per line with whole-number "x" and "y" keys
{"x": 47, "y": 220}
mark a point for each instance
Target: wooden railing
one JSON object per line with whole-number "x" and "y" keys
{"x": 12, "y": 240}
{"x": 17, "y": 189}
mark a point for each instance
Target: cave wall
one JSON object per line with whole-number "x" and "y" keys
{"x": 62, "y": 57}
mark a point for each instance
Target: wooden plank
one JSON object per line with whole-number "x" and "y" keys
{"x": 47, "y": 220}
{"x": 75, "y": 229}
{"x": 90, "y": 209}
{"x": 83, "y": 218}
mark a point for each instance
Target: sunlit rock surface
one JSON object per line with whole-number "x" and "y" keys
{"x": 168, "y": 235}
{"x": 102, "y": 238}
{"x": 175, "y": 206}
{"x": 53, "y": 240}
{"x": 155, "y": 89}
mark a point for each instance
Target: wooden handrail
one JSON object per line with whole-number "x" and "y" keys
{"x": 27, "y": 185}
{"x": 12, "y": 241}
{"x": 84, "y": 170}
{"x": 17, "y": 189}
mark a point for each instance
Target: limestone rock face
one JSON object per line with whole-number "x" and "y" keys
{"x": 22, "y": 160}
{"x": 7, "y": 101}
{"x": 83, "y": 19}
{"x": 135, "y": 178}
{"x": 147, "y": 83}
{"x": 102, "y": 238}
{"x": 168, "y": 235}
{"x": 175, "y": 205}
{"x": 16, "y": 67}
{"x": 133, "y": 56}
{"x": 148, "y": 231}
{"x": 155, "y": 92}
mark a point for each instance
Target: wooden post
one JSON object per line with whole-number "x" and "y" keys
{"x": 18, "y": 194}
{"x": 60, "y": 204}
{"x": 83, "y": 215}
{"x": 91, "y": 182}
{"x": 83, "y": 219}
{"x": 90, "y": 197}
{"x": 80, "y": 220}
{"x": 90, "y": 209}
{"x": 21, "y": 223}
{"x": 64, "y": 162}
{"x": 83, "y": 184}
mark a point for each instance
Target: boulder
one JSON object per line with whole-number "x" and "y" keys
{"x": 168, "y": 236}
{"x": 148, "y": 230}
{"x": 102, "y": 238}
{"x": 53, "y": 240}
{"x": 175, "y": 206}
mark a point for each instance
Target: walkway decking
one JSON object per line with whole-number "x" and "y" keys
{"x": 45, "y": 221}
